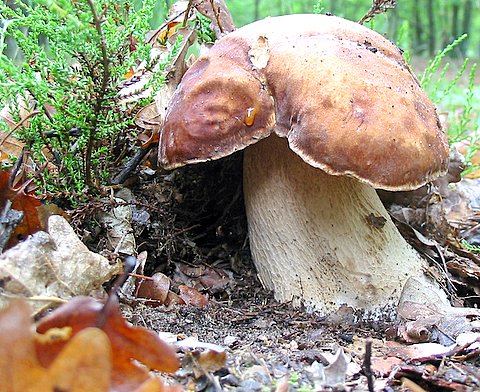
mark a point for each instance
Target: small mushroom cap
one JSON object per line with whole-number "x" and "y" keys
{"x": 340, "y": 93}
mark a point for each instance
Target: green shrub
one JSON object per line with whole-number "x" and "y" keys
{"x": 71, "y": 57}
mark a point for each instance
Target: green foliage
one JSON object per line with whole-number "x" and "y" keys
{"x": 457, "y": 101}
{"x": 318, "y": 8}
{"x": 205, "y": 33}
{"x": 435, "y": 63}
{"x": 71, "y": 57}
{"x": 448, "y": 20}
{"x": 404, "y": 40}
{"x": 469, "y": 247}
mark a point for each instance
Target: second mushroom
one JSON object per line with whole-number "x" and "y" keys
{"x": 327, "y": 110}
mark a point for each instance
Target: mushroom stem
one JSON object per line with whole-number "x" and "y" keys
{"x": 321, "y": 238}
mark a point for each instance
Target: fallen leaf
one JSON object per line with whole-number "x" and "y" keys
{"x": 168, "y": 31}
{"x": 11, "y": 147}
{"x": 416, "y": 352}
{"x": 129, "y": 74}
{"x": 118, "y": 224}
{"x": 83, "y": 365}
{"x": 335, "y": 372}
{"x": 212, "y": 360}
{"x": 148, "y": 118}
{"x": 128, "y": 342}
{"x": 203, "y": 277}
{"x": 384, "y": 365}
{"x": 201, "y": 358}
{"x": 192, "y": 296}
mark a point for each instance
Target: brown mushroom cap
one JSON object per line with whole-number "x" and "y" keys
{"x": 340, "y": 93}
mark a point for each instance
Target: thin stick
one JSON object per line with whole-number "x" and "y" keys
{"x": 367, "y": 364}
{"x": 101, "y": 93}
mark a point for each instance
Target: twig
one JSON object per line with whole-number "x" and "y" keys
{"x": 100, "y": 95}
{"x": 187, "y": 12}
{"x": 378, "y": 7}
{"x": 111, "y": 304}
{"x": 217, "y": 16}
{"x": 367, "y": 364}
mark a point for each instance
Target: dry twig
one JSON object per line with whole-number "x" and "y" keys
{"x": 378, "y": 7}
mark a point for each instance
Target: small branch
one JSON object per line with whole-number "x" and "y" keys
{"x": 100, "y": 95}
{"x": 367, "y": 364}
{"x": 378, "y": 7}
{"x": 216, "y": 13}
{"x": 187, "y": 12}
{"x": 131, "y": 165}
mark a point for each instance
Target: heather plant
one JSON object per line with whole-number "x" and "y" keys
{"x": 61, "y": 62}
{"x": 456, "y": 98}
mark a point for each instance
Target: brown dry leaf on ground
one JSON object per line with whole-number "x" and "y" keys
{"x": 83, "y": 365}
{"x": 192, "y": 296}
{"x": 157, "y": 290}
{"x": 128, "y": 343}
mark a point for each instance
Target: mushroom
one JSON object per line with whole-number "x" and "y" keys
{"x": 329, "y": 111}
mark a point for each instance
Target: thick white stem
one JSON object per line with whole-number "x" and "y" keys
{"x": 315, "y": 238}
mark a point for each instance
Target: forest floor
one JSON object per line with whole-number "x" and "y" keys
{"x": 192, "y": 227}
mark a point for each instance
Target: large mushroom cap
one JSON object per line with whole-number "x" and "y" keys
{"x": 340, "y": 93}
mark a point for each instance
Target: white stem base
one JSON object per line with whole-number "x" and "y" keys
{"x": 311, "y": 239}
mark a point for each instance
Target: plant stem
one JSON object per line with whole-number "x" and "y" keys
{"x": 100, "y": 95}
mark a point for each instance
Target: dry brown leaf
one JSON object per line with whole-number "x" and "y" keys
{"x": 127, "y": 342}
{"x": 84, "y": 365}
{"x": 192, "y": 296}
{"x": 11, "y": 147}
{"x": 203, "y": 277}
{"x": 148, "y": 118}
{"x": 384, "y": 365}
{"x": 212, "y": 360}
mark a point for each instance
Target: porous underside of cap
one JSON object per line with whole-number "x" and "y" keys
{"x": 340, "y": 93}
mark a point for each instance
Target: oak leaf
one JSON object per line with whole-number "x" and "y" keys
{"x": 128, "y": 343}
{"x": 83, "y": 365}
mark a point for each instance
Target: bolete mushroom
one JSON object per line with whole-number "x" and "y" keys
{"x": 329, "y": 111}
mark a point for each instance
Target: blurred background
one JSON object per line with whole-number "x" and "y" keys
{"x": 421, "y": 26}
